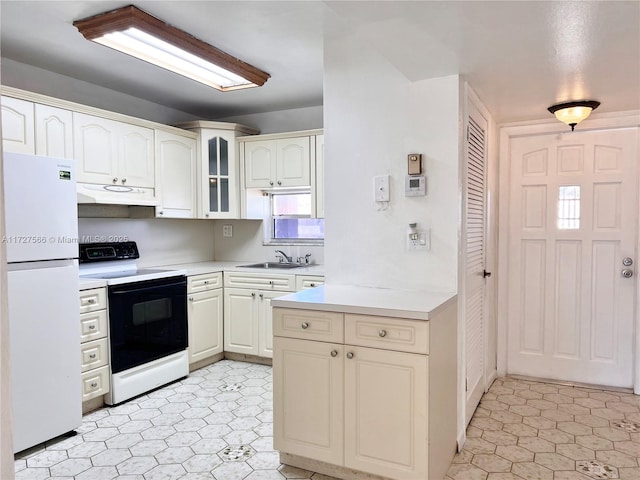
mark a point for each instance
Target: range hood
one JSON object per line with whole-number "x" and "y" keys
{"x": 116, "y": 195}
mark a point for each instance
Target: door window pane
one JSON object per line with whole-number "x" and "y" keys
{"x": 213, "y": 195}
{"x": 569, "y": 207}
{"x": 224, "y": 194}
{"x": 224, "y": 157}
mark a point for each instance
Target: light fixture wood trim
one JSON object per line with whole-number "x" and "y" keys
{"x": 131, "y": 16}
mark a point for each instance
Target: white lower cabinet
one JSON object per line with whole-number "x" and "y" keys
{"x": 248, "y": 321}
{"x": 247, "y": 311}
{"x": 94, "y": 344}
{"x": 205, "y": 299}
{"x": 353, "y": 406}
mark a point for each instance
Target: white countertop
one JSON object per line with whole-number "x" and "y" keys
{"x": 198, "y": 268}
{"x": 417, "y": 305}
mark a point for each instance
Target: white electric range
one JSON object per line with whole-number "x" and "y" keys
{"x": 148, "y": 335}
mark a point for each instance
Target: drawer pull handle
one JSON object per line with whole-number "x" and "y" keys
{"x": 91, "y": 300}
{"x": 94, "y": 384}
{"x": 270, "y": 282}
{"x": 92, "y": 327}
{"x": 382, "y": 333}
{"x": 93, "y": 355}
{"x": 350, "y": 355}
{"x": 304, "y": 325}
{"x": 206, "y": 282}
{"x": 312, "y": 284}
{"x": 334, "y": 353}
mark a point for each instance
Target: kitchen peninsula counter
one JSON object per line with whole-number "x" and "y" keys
{"x": 416, "y": 305}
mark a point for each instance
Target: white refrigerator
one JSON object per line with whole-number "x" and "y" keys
{"x": 42, "y": 284}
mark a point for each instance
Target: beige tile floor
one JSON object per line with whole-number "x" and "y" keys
{"x": 217, "y": 425}
{"x": 539, "y": 431}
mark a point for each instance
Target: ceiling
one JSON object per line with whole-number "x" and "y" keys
{"x": 519, "y": 56}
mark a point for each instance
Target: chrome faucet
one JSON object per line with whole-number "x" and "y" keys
{"x": 286, "y": 257}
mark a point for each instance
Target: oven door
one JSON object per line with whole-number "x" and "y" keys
{"x": 147, "y": 321}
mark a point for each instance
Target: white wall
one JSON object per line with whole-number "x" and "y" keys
{"x": 246, "y": 244}
{"x": 45, "y": 82}
{"x": 308, "y": 118}
{"x": 375, "y": 117}
{"x": 160, "y": 241}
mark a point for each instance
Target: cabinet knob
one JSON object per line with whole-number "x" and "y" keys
{"x": 115, "y": 179}
{"x": 160, "y": 212}
{"x": 91, "y": 300}
{"x": 304, "y": 325}
{"x": 206, "y": 215}
{"x": 92, "y": 327}
{"x": 312, "y": 284}
{"x": 270, "y": 183}
{"x": 270, "y": 282}
{"x": 93, "y": 355}
{"x": 261, "y": 296}
{"x": 279, "y": 182}
{"x": 253, "y": 294}
{"x": 191, "y": 299}
{"x": 124, "y": 180}
{"x": 382, "y": 333}
{"x": 350, "y": 355}
{"x": 94, "y": 384}
{"x": 334, "y": 353}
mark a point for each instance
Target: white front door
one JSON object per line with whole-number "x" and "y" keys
{"x": 573, "y": 210}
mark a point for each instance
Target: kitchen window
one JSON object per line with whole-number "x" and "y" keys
{"x": 290, "y": 221}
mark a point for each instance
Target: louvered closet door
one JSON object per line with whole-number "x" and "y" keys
{"x": 474, "y": 240}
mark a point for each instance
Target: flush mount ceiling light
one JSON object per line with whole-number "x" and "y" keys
{"x": 136, "y": 33}
{"x": 572, "y": 113}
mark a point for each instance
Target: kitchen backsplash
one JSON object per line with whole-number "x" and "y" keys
{"x": 171, "y": 241}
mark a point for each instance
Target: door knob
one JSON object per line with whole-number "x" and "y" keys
{"x": 627, "y": 273}
{"x": 627, "y": 262}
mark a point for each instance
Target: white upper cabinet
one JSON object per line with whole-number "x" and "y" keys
{"x": 176, "y": 163}
{"x": 18, "y": 126}
{"x": 218, "y": 172}
{"x": 54, "y": 131}
{"x": 319, "y": 178}
{"x": 283, "y": 162}
{"x": 111, "y": 152}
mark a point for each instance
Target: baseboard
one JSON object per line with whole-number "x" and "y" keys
{"x": 205, "y": 362}
{"x": 243, "y": 357}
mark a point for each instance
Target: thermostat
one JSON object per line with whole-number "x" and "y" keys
{"x": 415, "y": 185}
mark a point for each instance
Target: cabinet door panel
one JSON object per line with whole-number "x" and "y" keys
{"x": 266, "y": 323}
{"x": 308, "y": 394}
{"x": 240, "y": 321}
{"x": 260, "y": 164}
{"x": 293, "y": 162}
{"x": 95, "y": 146}
{"x": 136, "y": 165}
{"x": 386, "y": 413}
{"x": 54, "y": 132}
{"x": 17, "y": 126}
{"x": 205, "y": 324}
{"x": 175, "y": 175}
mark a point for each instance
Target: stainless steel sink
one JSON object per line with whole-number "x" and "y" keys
{"x": 280, "y": 265}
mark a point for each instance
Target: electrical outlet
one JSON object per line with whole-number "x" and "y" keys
{"x": 227, "y": 230}
{"x": 381, "y": 188}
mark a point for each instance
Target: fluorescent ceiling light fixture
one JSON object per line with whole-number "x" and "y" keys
{"x": 136, "y": 33}
{"x": 572, "y": 113}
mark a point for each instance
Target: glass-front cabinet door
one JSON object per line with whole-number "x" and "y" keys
{"x": 219, "y": 199}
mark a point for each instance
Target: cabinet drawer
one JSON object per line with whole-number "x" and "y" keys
{"x": 387, "y": 333}
{"x": 94, "y": 354}
{"x": 95, "y": 383}
{"x": 283, "y": 283}
{"x": 201, "y": 283}
{"x": 308, "y": 281}
{"x": 92, "y": 300}
{"x": 308, "y": 325}
{"x": 93, "y": 325}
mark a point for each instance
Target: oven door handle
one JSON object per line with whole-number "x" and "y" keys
{"x": 146, "y": 286}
